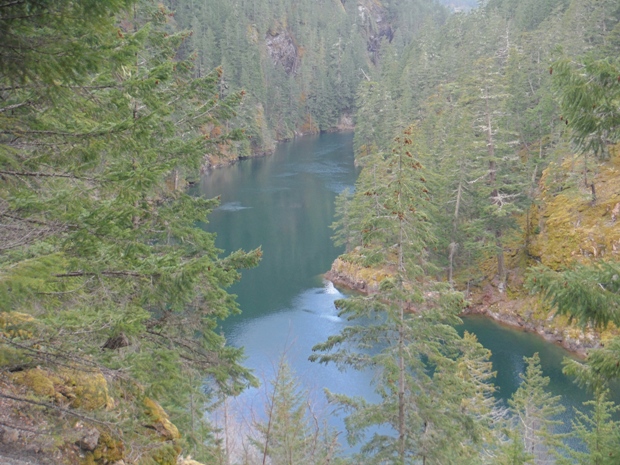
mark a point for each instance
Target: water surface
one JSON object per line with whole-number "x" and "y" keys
{"x": 285, "y": 204}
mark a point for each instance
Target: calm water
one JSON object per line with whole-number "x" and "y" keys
{"x": 285, "y": 204}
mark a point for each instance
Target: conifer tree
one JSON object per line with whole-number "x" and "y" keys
{"x": 534, "y": 411}
{"x": 404, "y": 332}
{"x": 598, "y": 432}
{"x": 291, "y": 432}
{"x": 589, "y": 294}
{"x": 99, "y": 240}
{"x": 588, "y": 96}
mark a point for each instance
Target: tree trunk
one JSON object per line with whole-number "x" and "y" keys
{"x": 401, "y": 387}
{"x": 493, "y": 183}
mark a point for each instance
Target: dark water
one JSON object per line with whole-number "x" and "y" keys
{"x": 284, "y": 203}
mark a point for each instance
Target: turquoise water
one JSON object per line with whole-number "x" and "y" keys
{"x": 285, "y": 204}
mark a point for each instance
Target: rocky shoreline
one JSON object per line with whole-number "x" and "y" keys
{"x": 514, "y": 313}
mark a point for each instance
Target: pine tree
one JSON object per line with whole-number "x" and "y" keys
{"x": 291, "y": 432}
{"x": 534, "y": 411}
{"x": 598, "y": 432}
{"x": 98, "y": 237}
{"x": 588, "y": 97}
{"x": 404, "y": 332}
{"x": 591, "y": 296}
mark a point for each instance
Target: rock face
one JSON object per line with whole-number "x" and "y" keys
{"x": 526, "y": 314}
{"x": 90, "y": 440}
{"x": 282, "y": 50}
{"x": 356, "y": 277}
{"x": 374, "y": 21}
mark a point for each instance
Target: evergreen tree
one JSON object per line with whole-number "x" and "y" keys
{"x": 534, "y": 411}
{"x": 588, "y": 97}
{"x": 591, "y": 296}
{"x": 291, "y": 432}
{"x": 98, "y": 237}
{"x": 598, "y": 432}
{"x": 424, "y": 371}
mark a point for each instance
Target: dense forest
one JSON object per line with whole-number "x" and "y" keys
{"x": 467, "y": 115}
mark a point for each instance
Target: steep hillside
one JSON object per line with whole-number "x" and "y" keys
{"x": 299, "y": 63}
{"x": 567, "y": 227}
{"x": 508, "y": 101}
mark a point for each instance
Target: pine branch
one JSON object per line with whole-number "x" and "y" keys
{"x": 43, "y": 175}
{"x": 116, "y": 274}
{"x": 27, "y": 430}
{"x": 13, "y": 107}
{"x": 7, "y": 5}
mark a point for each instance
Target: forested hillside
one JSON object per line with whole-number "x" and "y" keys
{"x": 299, "y": 62}
{"x": 497, "y": 96}
{"x": 489, "y": 154}
{"x": 109, "y": 293}
{"x": 489, "y": 144}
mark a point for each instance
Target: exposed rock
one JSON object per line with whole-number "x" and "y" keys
{"x": 90, "y": 440}
{"x": 373, "y": 18}
{"x": 116, "y": 342}
{"x": 109, "y": 450}
{"x": 187, "y": 461}
{"x": 160, "y": 420}
{"x": 356, "y": 277}
{"x": 345, "y": 123}
{"x": 282, "y": 50}
{"x": 524, "y": 313}
{"x": 9, "y": 435}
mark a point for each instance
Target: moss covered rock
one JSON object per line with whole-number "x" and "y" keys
{"x": 39, "y": 381}
{"x": 167, "y": 454}
{"x": 108, "y": 451}
{"x": 160, "y": 420}
{"x": 16, "y": 325}
{"x": 347, "y": 272}
{"x": 85, "y": 390}
{"x": 572, "y": 226}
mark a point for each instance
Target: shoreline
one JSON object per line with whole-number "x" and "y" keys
{"x": 499, "y": 309}
{"x": 210, "y": 166}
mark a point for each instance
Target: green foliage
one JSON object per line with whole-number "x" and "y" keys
{"x": 100, "y": 123}
{"x": 598, "y": 432}
{"x": 292, "y": 433}
{"x": 431, "y": 383}
{"x": 589, "y": 95}
{"x": 534, "y": 413}
{"x": 300, "y": 63}
{"x": 588, "y": 293}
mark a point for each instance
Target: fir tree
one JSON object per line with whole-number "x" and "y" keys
{"x": 100, "y": 242}
{"x": 534, "y": 411}
{"x": 404, "y": 332}
{"x": 598, "y": 432}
